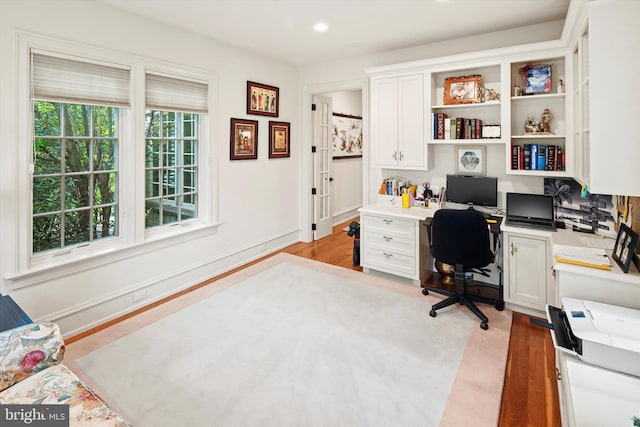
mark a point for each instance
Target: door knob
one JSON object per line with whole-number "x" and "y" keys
{"x": 330, "y": 179}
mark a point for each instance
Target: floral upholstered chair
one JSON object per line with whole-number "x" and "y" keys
{"x": 31, "y": 373}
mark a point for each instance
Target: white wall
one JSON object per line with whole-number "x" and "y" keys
{"x": 258, "y": 199}
{"x": 346, "y": 189}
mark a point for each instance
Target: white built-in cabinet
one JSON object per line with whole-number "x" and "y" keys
{"x": 398, "y": 122}
{"x": 607, "y": 127}
{"x": 528, "y": 276}
{"x": 406, "y": 103}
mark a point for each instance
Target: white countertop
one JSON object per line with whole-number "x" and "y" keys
{"x": 413, "y": 213}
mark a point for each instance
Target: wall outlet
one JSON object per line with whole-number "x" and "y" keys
{"x": 139, "y": 295}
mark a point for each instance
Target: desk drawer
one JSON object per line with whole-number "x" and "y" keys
{"x": 390, "y": 262}
{"x": 390, "y": 226}
{"x": 390, "y": 243}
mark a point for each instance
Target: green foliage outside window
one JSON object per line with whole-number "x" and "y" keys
{"x": 75, "y": 174}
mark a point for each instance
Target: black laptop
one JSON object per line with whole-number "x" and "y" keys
{"x": 530, "y": 211}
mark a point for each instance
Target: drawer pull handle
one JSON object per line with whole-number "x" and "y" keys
{"x": 387, "y": 255}
{"x": 388, "y": 238}
{"x": 387, "y": 221}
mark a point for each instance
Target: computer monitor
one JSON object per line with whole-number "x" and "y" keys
{"x": 472, "y": 190}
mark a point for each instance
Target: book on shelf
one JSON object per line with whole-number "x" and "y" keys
{"x": 533, "y": 161}
{"x": 542, "y": 157}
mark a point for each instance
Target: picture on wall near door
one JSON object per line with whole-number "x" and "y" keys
{"x": 347, "y": 136}
{"x": 262, "y": 100}
{"x": 279, "y": 143}
{"x": 244, "y": 139}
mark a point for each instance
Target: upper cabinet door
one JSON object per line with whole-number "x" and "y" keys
{"x": 384, "y": 121}
{"x": 614, "y": 43}
{"x": 411, "y": 143}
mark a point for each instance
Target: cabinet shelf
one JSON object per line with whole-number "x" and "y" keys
{"x": 537, "y": 97}
{"x": 553, "y": 136}
{"x": 481, "y": 141}
{"x": 463, "y": 106}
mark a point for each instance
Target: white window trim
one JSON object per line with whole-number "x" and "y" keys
{"x": 131, "y": 198}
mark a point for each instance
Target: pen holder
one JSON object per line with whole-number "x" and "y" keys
{"x": 406, "y": 200}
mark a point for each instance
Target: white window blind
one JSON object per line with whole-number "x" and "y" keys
{"x": 168, "y": 93}
{"x": 68, "y": 80}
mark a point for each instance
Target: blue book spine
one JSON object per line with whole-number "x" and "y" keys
{"x": 534, "y": 157}
{"x": 542, "y": 157}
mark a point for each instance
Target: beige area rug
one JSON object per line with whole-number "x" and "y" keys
{"x": 295, "y": 342}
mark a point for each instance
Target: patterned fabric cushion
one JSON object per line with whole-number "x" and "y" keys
{"x": 58, "y": 385}
{"x": 27, "y": 350}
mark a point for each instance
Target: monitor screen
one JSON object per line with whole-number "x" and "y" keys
{"x": 472, "y": 190}
{"x": 536, "y": 206}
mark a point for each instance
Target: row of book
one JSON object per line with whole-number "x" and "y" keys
{"x": 456, "y": 128}
{"x": 542, "y": 157}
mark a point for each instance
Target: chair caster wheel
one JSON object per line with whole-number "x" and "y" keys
{"x": 425, "y": 291}
{"x": 484, "y": 325}
{"x": 432, "y": 313}
{"x": 500, "y": 306}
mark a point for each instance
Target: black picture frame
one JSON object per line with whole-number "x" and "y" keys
{"x": 624, "y": 249}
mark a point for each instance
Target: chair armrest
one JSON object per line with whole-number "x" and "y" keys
{"x": 28, "y": 349}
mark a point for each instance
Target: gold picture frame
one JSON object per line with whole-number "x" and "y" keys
{"x": 463, "y": 90}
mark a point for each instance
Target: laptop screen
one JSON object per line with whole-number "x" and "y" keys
{"x": 532, "y": 206}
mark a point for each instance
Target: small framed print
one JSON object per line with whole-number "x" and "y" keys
{"x": 262, "y": 100}
{"x": 244, "y": 139}
{"x": 463, "y": 90}
{"x": 470, "y": 160}
{"x": 279, "y": 143}
{"x": 624, "y": 249}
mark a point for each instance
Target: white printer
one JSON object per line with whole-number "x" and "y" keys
{"x": 600, "y": 334}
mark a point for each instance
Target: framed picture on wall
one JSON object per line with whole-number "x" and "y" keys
{"x": 244, "y": 139}
{"x": 279, "y": 143}
{"x": 470, "y": 160}
{"x": 262, "y": 100}
{"x": 347, "y": 136}
{"x": 624, "y": 249}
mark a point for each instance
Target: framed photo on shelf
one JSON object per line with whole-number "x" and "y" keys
{"x": 624, "y": 249}
{"x": 536, "y": 78}
{"x": 262, "y": 100}
{"x": 279, "y": 143}
{"x": 470, "y": 160}
{"x": 463, "y": 90}
{"x": 244, "y": 139}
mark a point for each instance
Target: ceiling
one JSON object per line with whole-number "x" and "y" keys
{"x": 283, "y": 29}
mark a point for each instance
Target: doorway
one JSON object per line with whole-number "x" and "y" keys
{"x": 347, "y": 175}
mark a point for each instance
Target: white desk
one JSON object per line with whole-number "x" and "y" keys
{"x": 590, "y": 395}
{"x": 394, "y": 240}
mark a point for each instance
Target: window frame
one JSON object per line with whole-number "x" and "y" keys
{"x": 133, "y": 238}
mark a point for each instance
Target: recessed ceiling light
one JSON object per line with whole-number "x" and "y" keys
{"x": 320, "y": 26}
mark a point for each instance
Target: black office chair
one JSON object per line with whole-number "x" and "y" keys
{"x": 460, "y": 238}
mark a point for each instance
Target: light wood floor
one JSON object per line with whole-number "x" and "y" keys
{"x": 530, "y": 396}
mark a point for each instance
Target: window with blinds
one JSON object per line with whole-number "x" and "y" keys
{"x": 173, "y": 109}
{"x": 76, "y": 140}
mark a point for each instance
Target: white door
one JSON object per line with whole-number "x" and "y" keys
{"x": 322, "y": 141}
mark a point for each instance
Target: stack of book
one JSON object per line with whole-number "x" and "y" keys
{"x": 542, "y": 157}
{"x": 456, "y": 128}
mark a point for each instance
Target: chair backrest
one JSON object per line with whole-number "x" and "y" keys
{"x": 461, "y": 237}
